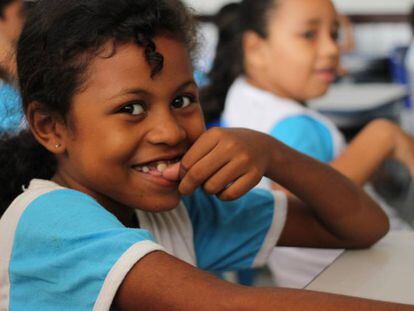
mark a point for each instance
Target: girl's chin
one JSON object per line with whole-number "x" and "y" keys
{"x": 160, "y": 204}
{"x": 318, "y": 92}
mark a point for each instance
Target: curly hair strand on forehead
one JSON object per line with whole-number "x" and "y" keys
{"x": 62, "y": 36}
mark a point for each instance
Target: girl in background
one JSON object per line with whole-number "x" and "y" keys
{"x": 283, "y": 53}
{"x": 119, "y": 187}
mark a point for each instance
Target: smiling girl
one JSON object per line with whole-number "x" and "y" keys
{"x": 115, "y": 181}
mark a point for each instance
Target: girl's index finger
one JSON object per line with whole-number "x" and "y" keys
{"x": 204, "y": 144}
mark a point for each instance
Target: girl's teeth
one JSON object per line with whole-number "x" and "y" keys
{"x": 161, "y": 167}
{"x": 156, "y": 168}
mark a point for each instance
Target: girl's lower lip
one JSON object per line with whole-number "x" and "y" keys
{"x": 327, "y": 75}
{"x": 159, "y": 180}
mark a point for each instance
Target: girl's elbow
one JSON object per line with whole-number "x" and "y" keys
{"x": 382, "y": 228}
{"x": 376, "y": 233}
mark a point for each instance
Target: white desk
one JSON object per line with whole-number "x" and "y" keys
{"x": 351, "y": 105}
{"x": 384, "y": 272}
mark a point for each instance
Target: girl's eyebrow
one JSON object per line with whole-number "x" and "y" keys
{"x": 313, "y": 22}
{"x": 134, "y": 91}
{"x": 137, "y": 91}
{"x": 183, "y": 86}
{"x": 317, "y": 22}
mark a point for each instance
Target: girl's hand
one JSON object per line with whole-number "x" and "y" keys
{"x": 379, "y": 140}
{"x": 226, "y": 162}
{"x": 404, "y": 149}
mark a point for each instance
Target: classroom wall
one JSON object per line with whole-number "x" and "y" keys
{"x": 347, "y": 6}
{"x": 374, "y": 6}
{"x": 207, "y": 6}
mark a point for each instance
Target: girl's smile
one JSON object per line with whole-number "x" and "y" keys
{"x": 126, "y": 128}
{"x": 328, "y": 74}
{"x": 154, "y": 171}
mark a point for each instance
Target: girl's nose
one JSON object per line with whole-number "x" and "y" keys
{"x": 330, "y": 47}
{"x": 166, "y": 130}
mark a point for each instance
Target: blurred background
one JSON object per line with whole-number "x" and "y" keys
{"x": 377, "y": 63}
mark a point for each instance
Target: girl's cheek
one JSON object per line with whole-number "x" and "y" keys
{"x": 196, "y": 127}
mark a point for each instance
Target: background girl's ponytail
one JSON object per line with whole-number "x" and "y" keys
{"x": 233, "y": 20}
{"x": 228, "y": 62}
{"x": 22, "y": 158}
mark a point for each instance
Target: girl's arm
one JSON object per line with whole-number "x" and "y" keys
{"x": 379, "y": 140}
{"x": 228, "y": 162}
{"x": 160, "y": 282}
{"x": 332, "y": 211}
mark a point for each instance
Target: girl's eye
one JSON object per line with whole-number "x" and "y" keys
{"x": 133, "y": 109}
{"x": 182, "y": 101}
{"x": 310, "y": 35}
{"x": 335, "y": 35}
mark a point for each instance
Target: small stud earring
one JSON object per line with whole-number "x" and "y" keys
{"x": 58, "y": 145}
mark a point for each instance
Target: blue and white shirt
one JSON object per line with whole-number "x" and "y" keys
{"x": 61, "y": 250}
{"x": 290, "y": 122}
{"x": 11, "y": 113}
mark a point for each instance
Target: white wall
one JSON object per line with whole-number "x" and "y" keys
{"x": 374, "y": 6}
{"x": 346, "y": 6}
{"x": 208, "y": 6}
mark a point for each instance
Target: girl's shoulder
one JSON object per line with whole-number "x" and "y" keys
{"x": 251, "y": 107}
{"x": 56, "y": 240}
{"x": 44, "y": 205}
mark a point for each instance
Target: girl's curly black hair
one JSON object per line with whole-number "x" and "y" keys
{"x": 59, "y": 40}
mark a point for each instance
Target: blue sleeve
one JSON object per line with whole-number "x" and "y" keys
{"x": 69, "y": 253}
{"x": 11, "y": 114}
{"x": 306, "y": 135}
{"x": 235, "y": 235}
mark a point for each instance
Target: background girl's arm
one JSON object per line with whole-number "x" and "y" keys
{"x": 331, "y": 210}
{"x": 379, "y": 140}
{"x": 160, "y": 282}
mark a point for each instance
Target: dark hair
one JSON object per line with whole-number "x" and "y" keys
{"x": 3, "y": 5}
{"x": 411, "y": 18}
{"x": 58, "y": 41}
{"x": 232, "y": 21}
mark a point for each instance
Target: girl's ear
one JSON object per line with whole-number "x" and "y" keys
{"x": 48, "y": 128}
{"x": 253, "y": 50}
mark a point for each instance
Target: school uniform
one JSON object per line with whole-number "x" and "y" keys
{"x": 61, "y": 250}
{"x": 303, "y": 130}
{"x": 11, "y": 113}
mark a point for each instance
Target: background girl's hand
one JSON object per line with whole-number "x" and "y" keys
{"x": 404, "y": 150}
{"x": 226, "y": 162}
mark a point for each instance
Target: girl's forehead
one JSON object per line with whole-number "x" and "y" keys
{"x": 303, "y": 11}
{"x": 127, "y": 67}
